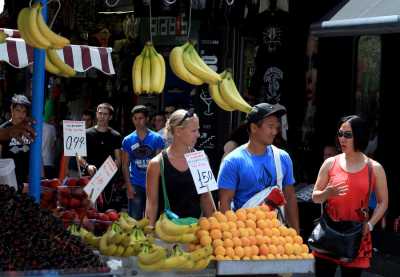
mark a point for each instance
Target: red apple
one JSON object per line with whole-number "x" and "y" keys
{"x": 112, "y": 215}
{"x": 75, "y": 203}
{"x": 72, "y": 182}
{"x": 55, "y": 183}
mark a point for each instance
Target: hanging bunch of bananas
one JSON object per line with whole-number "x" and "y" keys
{"x": 186, "y": 63}
{"x": 226, "y": 95}
{"x": 169, "y": 231}
{"x": 3, "y": 37}
{"x": 36, "y": 33}
{"x": 148, "y": 71}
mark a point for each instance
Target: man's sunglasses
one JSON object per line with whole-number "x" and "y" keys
{"x": 188, "y": 114}
{"x": 345, "y": 134}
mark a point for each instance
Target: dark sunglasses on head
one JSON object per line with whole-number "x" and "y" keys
{"x": 345, "y": 134}
{"x": 188, "y": 114}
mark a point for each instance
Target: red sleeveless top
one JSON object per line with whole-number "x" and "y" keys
{"x": 347, "y": 207}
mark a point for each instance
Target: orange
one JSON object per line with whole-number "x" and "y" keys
{"x": 204, "y": 223}
{"x": 245, "y": 241}
{"x": 230, "y": 252}
{"x": 260, "y": 239}
{"x": 255, "y": 250}
{"x": 260, "y": 214}
{"x": 232, "y": 225}
{"x": 216, "y": 234}
{"x": 239, "y": 251}
{"x": 214, "y": 224}
{"x": 281, "y": 249}
{"x": 219, "y": 250}
{"x": 275, "y": 232}
{"x": 281, "y": 240}
{"x": 267, "y": 232}
{"x": 263, "y": 249}
{"x": 224, "y": 226}
{"x": 292, "y": 232}
{"x": 217, "y": 242}
{"x": 230, "y": 215}
{"x": 228, "y": 243}
{"x": 261, "y": 223}
{"x": 304, "y": 249}
{"x": 205, "y": 240}
{"x": 275, "y": 240}
{"x": 227, "y": 235}
{"x": 241, "y": 214}
{"x": 251, "y": 224}
{"x": 255, "y": 258}
{"x": 251, "y": 232}
{"x": 289, "y": 248}
{"x": 264, "y": 208}
{"x": 271, "y": 256}
{"x": 248, "y": 252}
{"x": 200, "y": 233}
{"x": 235, "y": 233}
{"x": 273, "y": 250}
{"x": 283, "y": 230}
{"x": 275, "y": 222}
{"x": 237, "y": 241}
{"x": 253, "y": 240}
{"x": 298, "y": 239}
{"x": 243, "y": 232}
{"x": 267, "y": 240}
{"x": 219, "y": 258}
{"x": 259, "y": 231}
{"x": 252, "y": 216}
{"x": 240, "y": 224}
{"x": 289, "y": 239}
{"x": 220, "y": 216}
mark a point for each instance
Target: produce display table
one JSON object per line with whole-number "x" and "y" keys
{"x": 264, "y": 267}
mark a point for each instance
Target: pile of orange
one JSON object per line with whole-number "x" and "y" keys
{"x": 250, "y": 234}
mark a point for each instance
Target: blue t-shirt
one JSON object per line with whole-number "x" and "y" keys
{"x": 140, "y": 153}
{"x": 248, "y": 174}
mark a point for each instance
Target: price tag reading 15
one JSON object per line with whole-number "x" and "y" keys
{"x": 74, "y": 134}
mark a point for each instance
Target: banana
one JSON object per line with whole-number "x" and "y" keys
{"x": 158, "y": 266}
{"x": 119, "y": 251}
{"x": 216, "y": 96}
{"x": 137, "y": 74}
{"x": 105, "y": 249}
{"x": 201, "y": 264}
{"x": 146, "y": 72}
{"x": 162, "y": 80}
{"x": 33, "y": 30}
{"x": 163, "y": 236}
{"x": 3, "y": 37}
{"x": 65, "y": 69}
{"x": 129, "y": 251}
{"x": 231, "y": 95}
{"x": 22, "y": 27}
{"x": 142, "y": 223}
{"x": 55, "y": 40}
{"x": 110, "y": 234}
{"x": 188, "y": 264}
{"x": 173, "y": 229}
{"x": 197, "y": 67}
{"x": 176, "y": 259}
{"x": 155, "y": 76}
{"x": 178, "y": 67}
{"x": 151, "y": 254}
{"x": 201, "y": 253}
{"x": 188, "y": 238}
{"x": 124, "y": 224}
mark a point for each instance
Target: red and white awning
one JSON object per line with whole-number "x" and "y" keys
{"x": 81, "y": 57}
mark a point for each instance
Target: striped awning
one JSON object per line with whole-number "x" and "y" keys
{"x": 80, "y": 57}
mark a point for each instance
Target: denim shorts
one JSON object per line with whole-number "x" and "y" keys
{"x": 136, "y": 206}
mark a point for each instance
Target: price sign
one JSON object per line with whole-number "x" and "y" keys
{"x": 74, "y": 138}
{"x": 101, "y": 179}
{"x": 201, "y": 171}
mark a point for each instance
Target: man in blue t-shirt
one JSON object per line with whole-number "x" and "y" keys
{"x": 138, "y": 149}
{"x": 251, "y": 167}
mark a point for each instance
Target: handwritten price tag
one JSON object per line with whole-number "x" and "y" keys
{"x": 101, "y": 179}
{"x": 74, "y": 138}
{"x": 201, "y": 171}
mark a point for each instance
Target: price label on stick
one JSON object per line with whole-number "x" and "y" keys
{"x": 74, "y": 138}
{"x": 101, "y": 179}
{"x": 201, "y": 171}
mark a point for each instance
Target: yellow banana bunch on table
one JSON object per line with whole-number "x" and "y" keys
{"x": 148, "y": 71}
{"x": 186, "y": 63}
{"x": 229, "y": 93}
{"x": 169, "y": 231}
{"x": 152, "y": 258}
{"x": 36, "y": 32}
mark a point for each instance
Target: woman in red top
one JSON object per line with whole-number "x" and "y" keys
{"x": 343, "y": 182}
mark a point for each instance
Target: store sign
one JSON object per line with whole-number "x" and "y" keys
{"x": 201, "y": 172}
{"x": 74, "y": 133}
{"x": 100, "y": 180}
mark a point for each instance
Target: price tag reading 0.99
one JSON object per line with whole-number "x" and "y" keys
{"x": 74, "y": 143}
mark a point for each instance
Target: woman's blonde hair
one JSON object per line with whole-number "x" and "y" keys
{"x": 175, "y": 120}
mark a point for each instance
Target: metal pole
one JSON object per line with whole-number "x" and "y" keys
{"x": 38, "y": 80}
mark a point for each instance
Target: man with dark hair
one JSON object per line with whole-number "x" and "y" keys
{"x": 102, "y": 141}
{"x": 88, "y": 117}
{"x": 18, "y": 149}
{"x": 138, "y": 148}
{"x": 252, "y": 167}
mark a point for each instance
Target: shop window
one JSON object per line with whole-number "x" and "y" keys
{"x": 367, "y": 93}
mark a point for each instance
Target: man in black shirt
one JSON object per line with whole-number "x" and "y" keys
{"x": 102, "y": 141}
{"x": 14, "y": 148}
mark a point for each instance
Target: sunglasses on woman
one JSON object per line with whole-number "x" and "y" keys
{"x": 188, "y": 114}
{"x": 345, "y": 134}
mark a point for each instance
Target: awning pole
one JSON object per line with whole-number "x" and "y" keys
{"x": 38, "y": 80}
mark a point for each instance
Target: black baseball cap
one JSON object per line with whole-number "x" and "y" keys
{"x": 20, "y": 99}
{"x": 140, "y": 109}
{"x": 262, "y": 110}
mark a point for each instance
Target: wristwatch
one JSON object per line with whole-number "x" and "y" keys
{"x": 370, "y": 226}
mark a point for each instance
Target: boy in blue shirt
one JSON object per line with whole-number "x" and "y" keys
{"x": 250, "y": 168}
{"x": 138, "y": 148}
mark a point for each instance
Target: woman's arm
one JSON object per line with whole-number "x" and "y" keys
{"x": 381, "y": 192}
{"x": 206, "y": 202}
{"x": 322, "y": 188}
{"x": 152, "y": 189}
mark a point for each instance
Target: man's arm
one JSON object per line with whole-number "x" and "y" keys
{"x": 225, "y": 199}
{"x": 118, "y": 158}
{"x": 291, "y": 208}
{"x": 126, "y": 175}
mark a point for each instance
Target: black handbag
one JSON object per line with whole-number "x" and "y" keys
{"x": 339, "y": 239}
